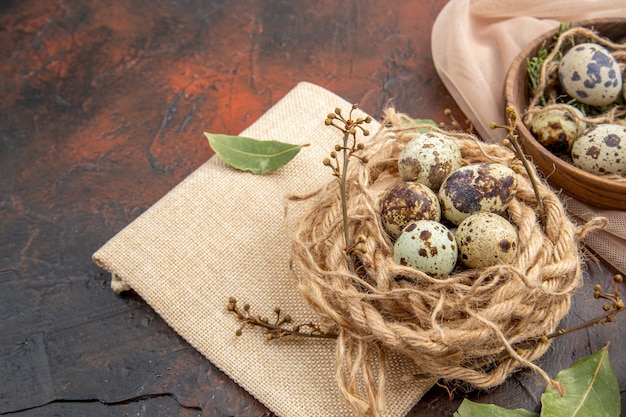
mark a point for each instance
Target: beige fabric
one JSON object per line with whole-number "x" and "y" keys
{"x": 221, "y": 233}
{"x": 475, "y": 41}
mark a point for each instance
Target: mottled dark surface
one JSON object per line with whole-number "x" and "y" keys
{"x": 476, "y": 187}
{"x": 102, "y": 112}
{"x": 406, "y": 202}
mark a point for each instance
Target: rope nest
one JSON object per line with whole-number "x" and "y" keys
{"x": 476, "y": 326}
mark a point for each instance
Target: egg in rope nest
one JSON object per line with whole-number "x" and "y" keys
{"x": 431, "y": 162}
{"x": 453, "y": 318}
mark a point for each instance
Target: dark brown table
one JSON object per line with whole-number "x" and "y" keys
{"x": 102, "y": 112}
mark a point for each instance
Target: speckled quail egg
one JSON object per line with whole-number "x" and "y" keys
{"x": 406, "y": 202}
{"x": 428, "y": 246}
{"x": 601, "y": 150}
{"x": 486, "y": 239}
{"x": 482, "y": 187}
{"x": 428, "y": 159}
{"x": 589, "y": 73}
{"x": 558, "y": 128}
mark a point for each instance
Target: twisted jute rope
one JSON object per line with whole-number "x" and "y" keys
{"x": 473, "y": 326}
{"x": 548, "y": 85}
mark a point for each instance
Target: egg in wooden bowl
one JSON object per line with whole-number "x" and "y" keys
{"x": 535, "y": 88}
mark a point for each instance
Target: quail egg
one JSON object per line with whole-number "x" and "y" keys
{"x": 601, "y": 150}
{"x": 428, "y": 159}
{"x": 589, "y": 73}
{"x": 482, "y": 187}
{"x": 428, "y": 246}
{"x": 486, "y": 239}
{"x": 557, "y": 129}
{"x": 405, "y": 202}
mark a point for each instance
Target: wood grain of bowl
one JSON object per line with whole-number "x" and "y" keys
{"x": 589, "y": 188}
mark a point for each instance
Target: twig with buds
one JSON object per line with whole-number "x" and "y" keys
{"x": 275, "y": 329}
{"x": 348, "y": 149}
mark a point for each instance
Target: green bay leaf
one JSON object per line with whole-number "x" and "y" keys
{"x": 471, "y": 409}
{"x": 430, "y": 122}
{"x": 253, "y": 155}
{"x": 591, "y": 389}
{"x": 424, "y": 124}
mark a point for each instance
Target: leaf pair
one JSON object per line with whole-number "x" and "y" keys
{"x": 591, "y": 389}
{"x": 256, "y": 156}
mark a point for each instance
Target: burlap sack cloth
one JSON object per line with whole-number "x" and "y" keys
{"x": 221, "y": 233}
{"x": 474, "y": 43}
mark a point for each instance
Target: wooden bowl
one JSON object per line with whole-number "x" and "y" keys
{"x": 589, "y": 188}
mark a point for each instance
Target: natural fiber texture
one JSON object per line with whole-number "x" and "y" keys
{"x": 221, "y": 233}
{"x": 474, "y": 43}
{"x": 471, "y": 326}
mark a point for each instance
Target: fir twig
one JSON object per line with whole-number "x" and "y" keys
{"x": 534, "y": 65}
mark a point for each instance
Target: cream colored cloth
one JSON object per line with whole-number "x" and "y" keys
{"x": 221, "y": 233}
{"x": 474, "y": 43}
